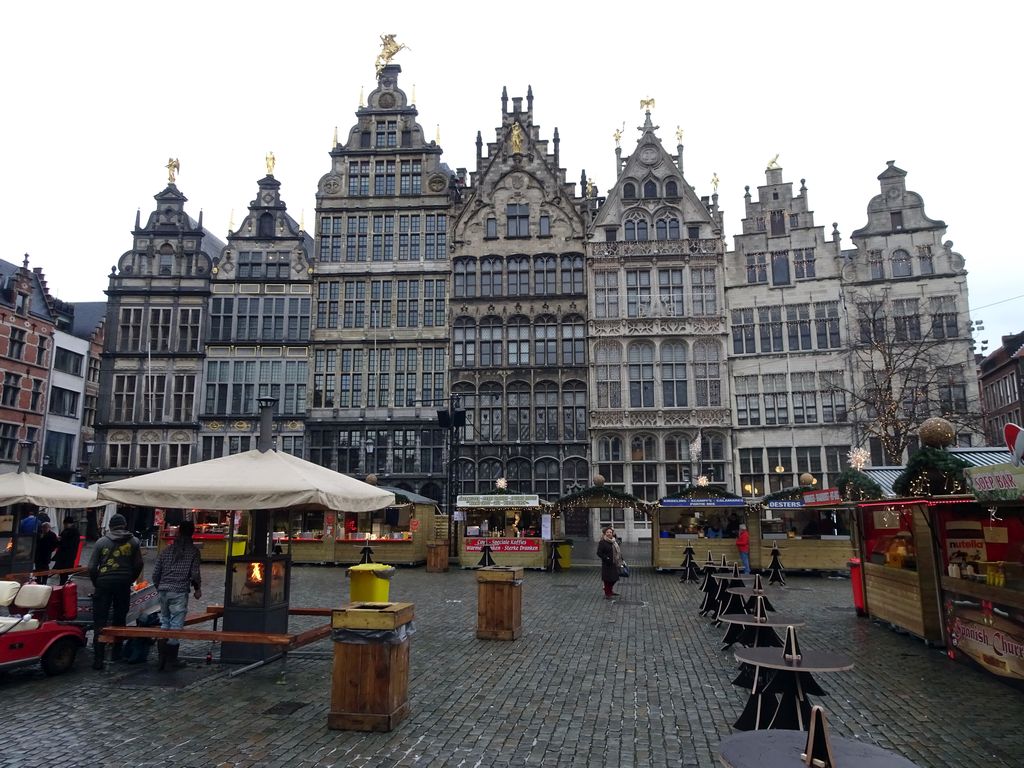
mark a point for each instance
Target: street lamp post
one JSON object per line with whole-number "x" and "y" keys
{"x": 452, "y": 419}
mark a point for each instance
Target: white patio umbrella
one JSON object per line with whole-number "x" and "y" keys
{"x": 29, "y": 488}
{"x": 251, "y": 480}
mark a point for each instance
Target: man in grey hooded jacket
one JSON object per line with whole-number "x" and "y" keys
{"x": 115, "y": 564}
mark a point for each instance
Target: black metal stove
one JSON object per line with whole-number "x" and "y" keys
{"x": 255, "y": 600}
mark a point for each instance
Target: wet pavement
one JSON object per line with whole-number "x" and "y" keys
{"x": 635, "y": 681}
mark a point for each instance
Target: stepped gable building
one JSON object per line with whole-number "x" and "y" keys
{"x": 906, "y": 293}
{"x": 518, "y": 315}
{"x": 659, "y": 414}
{"x": 788, "y": 344}
{"x": 379, "y": 336}
{"x": 259, "y": 329}
{"x": 28, "y": 319}
{"x": 152, "y": 365}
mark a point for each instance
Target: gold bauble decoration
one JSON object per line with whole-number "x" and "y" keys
{"x": 599, "y": 480}
{"x": 936, "y": 432}
{"x": 371, "y": 479}
{"x": 807, "y": 479}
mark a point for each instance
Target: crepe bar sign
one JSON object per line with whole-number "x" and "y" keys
{"x": 994, "y": 642}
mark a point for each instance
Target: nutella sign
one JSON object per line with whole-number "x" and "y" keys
{"x": 826, "y": 496}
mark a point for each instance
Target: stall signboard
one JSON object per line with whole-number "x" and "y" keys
{"x": 786, "y": 504}
{"x": 999, "y": 482}
{"x": 712, "y": 502}
{"x": 503, "y": 545}
{"x": 994, "y": 642}
{"x": 499, "y": 500}
{"x": 823, "y": 497}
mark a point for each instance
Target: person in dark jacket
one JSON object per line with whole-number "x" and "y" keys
{"x": 611, "y": 561}
{"x": 176, "y": 572}
{"x": 115, "y": 564}
{"x": 67, "y": 548}
{"x": 46, "y": 542}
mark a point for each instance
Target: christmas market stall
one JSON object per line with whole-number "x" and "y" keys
{"x": 598, "y": 496}
{"x": 396, "y": 535}
{"x": 704, "y": 517}
{"x": 982, "y": 551}
{"x": 213, "y": 529}
{"x": 810, "y": 527}
{"x": 510, "y": 529}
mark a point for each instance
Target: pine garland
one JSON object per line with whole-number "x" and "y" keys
{"x": 854, "y": 485}
{"x": 932, "y": 472}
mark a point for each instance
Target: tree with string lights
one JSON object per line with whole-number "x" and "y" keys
{"x": 905, "y": 373}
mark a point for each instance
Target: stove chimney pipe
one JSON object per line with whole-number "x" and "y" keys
{"x": 265, "y": 441}
{"x": 25, "y": 454}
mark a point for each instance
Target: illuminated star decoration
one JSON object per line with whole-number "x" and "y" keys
{"x": 501, "y": 483}
{"x": 703, "y": 481}
{"x": 858, "y": 458}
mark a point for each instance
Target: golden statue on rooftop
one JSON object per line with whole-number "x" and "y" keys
{"x": 271, "y": 162}
{"x": 173, "y": 166}
{"x": 618, "y": 135}
{"x": 773, "y": 164}
{"x": 714, "y": 182}
{"x": 388, "y": 48}
{"x": 679, "y": 134}
{"x": 516, "y": 138}
{"x": 647, "y": 104}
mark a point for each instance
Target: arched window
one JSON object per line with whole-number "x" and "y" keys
{"x": 266, "y": 225}
{"x": 643, "y": 467}
{"x": 490, "y": 342}
{"x": 631, "y": 231}
{"x": 546, "y": 480}
{"x": 641, "y": 230}
{"x": 712, "y": 457}
{"x": 673, "y": 229}
{"x": 519, "y": 411}
{"x": 609, "y": 460}
{"x": 671, "y": 188}
{"x": 667, "y": 228}
{"x": 545, "y": 341}
{"x": 518, "y": 341}
{"x": 544, "y": 275}
{"x": 609, "y": 376}
{"x": 574, "y": 411}
{"x": 673, "y": 374}
{"x": 901, "y": 266}
{"x": 464, "y": 343}
{"x": 518, "y": 276}
{"x": 467, "y": 395}
{"x": 465, "y": 278}
{"x": 650, "y": 189}
{"x": 629, "y": 191}
{"x": 467, "y": 474}
{"x": 574, "y": 474}
{"x": 545, "y": 412}
{"x": 519, "y": 476}
{"x": 490, "y": 470}
{"x": 573, "y": 343}
{"x": 572, "y": 274}
{"x": 490, "y": 425}
{"x": 641, "y": 375}
{"x": 490, "y": 276}
{"x": 677, "y": 463}
{"x": 707, "y": 373}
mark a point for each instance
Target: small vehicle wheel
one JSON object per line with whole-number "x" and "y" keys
{"x": 60, "y": 656}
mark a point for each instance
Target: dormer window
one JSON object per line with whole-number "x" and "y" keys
{"x": 266, "y": 225}
{"x": 629, "y": 191}
{"x": 671, "y": 189}
{"x": 897, "y": 221}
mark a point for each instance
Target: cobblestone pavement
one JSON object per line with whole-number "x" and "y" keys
{"x": 638, "y": 681}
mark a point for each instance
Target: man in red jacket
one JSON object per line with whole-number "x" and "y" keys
{"x": 743, "y": 545}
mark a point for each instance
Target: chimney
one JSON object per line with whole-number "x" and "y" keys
{"x": 265, "y": 441}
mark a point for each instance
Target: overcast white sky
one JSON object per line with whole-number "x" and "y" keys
{"x": 96, "y": 96}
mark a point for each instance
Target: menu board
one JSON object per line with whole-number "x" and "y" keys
{"x": 503, "y": 545}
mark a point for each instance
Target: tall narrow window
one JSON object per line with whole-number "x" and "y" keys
{"x": 517, "y": 220}
{"x": 641, "y": 375}
{"x": 638, "y": 293}
{"x": 609, "y": 376}
{"x": 748, "y": 403}
{"x": 606, "y": 294}
{"x": 757, "y": 268}
{"x": 673, "y": 374}
{"x": 707, "y": 374}
{"x": 573, "y": 342}
{"x": 545, "y": 341}
{"x": 743, "y": 331}
{"x": 705, "y": 292}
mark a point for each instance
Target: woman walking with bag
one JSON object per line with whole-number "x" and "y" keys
{"x": 176, "y": 570}
{"x": 611, "y": 561}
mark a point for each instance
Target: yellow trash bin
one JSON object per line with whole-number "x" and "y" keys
{"x": 369, "y": 582}
{"x": 564, "y": 555}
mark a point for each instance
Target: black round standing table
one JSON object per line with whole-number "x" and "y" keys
{"x": 790, "y": 679}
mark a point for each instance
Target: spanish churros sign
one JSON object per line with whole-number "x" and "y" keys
{"x": 995, "y": 642}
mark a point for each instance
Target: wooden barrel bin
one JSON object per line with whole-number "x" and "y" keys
{"x": 370, "y": 675}
{"x": 499, "y": 613}
{"x": 437, "y": 556}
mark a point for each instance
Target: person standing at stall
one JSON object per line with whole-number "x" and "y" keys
{"x": 175, "y": 573}
{"x": 743, "y": 545}
{"x": 67, "y": 548}
{"x": 611, "y": 561}
{"x": 115, "y": 564}
{"x": 46, "y": 542}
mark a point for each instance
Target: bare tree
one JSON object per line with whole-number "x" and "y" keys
{"x": 907, "y": 363}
